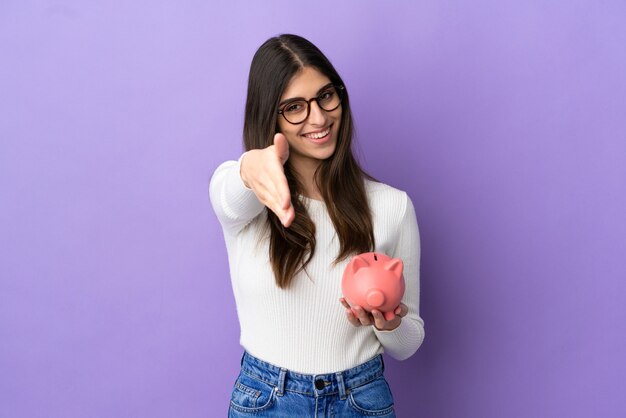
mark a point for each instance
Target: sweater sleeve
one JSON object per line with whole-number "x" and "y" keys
{"x": 402, "y": 342}
{"x": 234, "y": 204}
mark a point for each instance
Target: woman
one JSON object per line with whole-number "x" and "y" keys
{"x": 294, "y": 208}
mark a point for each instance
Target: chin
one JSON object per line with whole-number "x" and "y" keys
{"x": 327, "y": 155}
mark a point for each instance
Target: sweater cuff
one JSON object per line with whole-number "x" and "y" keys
{"x": 401, "y": 342}
{"x": 241, "y": 198}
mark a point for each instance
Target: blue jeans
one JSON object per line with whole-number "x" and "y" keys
{"x": 265, "y": 390}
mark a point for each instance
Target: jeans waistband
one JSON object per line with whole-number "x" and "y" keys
{"x": 312, "y": 384}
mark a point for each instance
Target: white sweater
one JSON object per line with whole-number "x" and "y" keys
{"x": 304, "y": 328}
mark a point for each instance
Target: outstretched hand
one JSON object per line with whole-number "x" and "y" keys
{"x": 359, "y": 316}
{"x": 262, "y": 171}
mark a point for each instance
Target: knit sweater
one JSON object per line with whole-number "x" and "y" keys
{"x": 304, "y": 328}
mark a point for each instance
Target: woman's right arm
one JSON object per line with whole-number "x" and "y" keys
{"x": 240, "y": 189}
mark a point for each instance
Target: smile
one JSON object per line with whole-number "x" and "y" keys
{"x": 318, "y": 135}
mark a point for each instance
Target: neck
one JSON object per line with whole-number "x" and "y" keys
{"x": 305, "y": 171}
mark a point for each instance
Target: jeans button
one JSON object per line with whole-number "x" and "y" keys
{"x": 319, "y": 384}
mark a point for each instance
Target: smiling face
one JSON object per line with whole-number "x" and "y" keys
{"x": 315, "y": 139}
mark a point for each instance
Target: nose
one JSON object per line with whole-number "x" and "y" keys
{"x": 317, "y": 115}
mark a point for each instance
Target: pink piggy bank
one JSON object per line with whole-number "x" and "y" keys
{"x": 374, "y": 281}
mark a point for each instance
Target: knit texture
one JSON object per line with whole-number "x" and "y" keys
{"x": 304, "y": 328}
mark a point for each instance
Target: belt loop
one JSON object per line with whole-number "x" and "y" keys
{"x": 341, "y": 385}
{"x": 280, "y": 389}
{"x": 382, "y": 360}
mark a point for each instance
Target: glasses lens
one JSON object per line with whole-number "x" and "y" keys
{"x": 295, "y": 112}
{"x": 329, "y": 99}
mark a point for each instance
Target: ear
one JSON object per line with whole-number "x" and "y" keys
{"x": 357, "y": 263}
{"x": 396, "y": 266}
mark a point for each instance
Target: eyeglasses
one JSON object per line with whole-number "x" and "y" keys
{"x": 297, "y": 110}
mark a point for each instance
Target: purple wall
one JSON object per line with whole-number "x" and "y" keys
{"x": 504, "y": 121}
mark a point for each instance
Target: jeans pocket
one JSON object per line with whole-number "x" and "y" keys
{"x": 251, "y": 395}
{"x": 372, "y": 399}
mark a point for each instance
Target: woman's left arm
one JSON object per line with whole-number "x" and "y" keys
{"x": 402, "y": 335}
{"x": 403, "y": 341}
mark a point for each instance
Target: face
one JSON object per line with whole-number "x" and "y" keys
{"x": 306, "y": 148}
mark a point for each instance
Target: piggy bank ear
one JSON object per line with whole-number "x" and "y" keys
{"x": 357, "y": 263}
{"x": 395, "y": 265}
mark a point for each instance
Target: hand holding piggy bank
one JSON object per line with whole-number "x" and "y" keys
{"x": 374, "y": 281}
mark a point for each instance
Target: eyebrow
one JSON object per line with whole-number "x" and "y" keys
{"x": 302, "y": 98}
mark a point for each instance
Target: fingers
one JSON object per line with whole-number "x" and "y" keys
{"x": 359, "y": 316}
{"x": 364, "y": 317}
{"x": 353, "y": 319}
{"x": 281, "y": 147}
{"x": 350, "y": 314}
{"x": 383, "y": 324}
{"x": 379, "y": 319}
{"x": 282, "y": 196}
{"x": 279, "y": 198}
{"x": 272, "y": 189}
{"x": 288, "y": 217}
{"x": 262, "y": 171}
{"x": 402, "y": 310}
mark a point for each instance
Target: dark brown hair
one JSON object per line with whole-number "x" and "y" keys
{"x": 339, "y": 178}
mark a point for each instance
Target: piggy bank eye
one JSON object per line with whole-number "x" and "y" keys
{"x": 375, "y": 258}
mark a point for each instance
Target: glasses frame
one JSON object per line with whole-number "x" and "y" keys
{"x": 339, "y": 88}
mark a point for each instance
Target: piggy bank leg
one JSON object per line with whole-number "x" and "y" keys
{"x": 389, "y": 315}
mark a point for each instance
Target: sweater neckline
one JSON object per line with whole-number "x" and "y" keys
{"x": 311, "y": 200}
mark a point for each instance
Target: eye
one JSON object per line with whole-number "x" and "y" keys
{"x": 327, "y": 95}
{"x": 293, "y": 107}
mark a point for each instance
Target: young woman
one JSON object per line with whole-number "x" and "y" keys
{"x": 294, "y": 208}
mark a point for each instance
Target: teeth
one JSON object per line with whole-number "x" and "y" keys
{"x": 318, "y": 135}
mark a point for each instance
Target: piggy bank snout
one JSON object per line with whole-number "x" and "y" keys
{"x": 373, "y": 281}
{"x": 375, "y": 298}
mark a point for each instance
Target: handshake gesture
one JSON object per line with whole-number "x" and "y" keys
{"x": 262, "y": 171}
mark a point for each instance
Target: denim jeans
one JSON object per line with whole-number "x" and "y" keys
{"x": 266, "y": 390}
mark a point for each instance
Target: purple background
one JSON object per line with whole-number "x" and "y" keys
{"x": 504, "y": 121}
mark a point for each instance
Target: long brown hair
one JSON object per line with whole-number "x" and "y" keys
{"x": 339, "y": 178}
